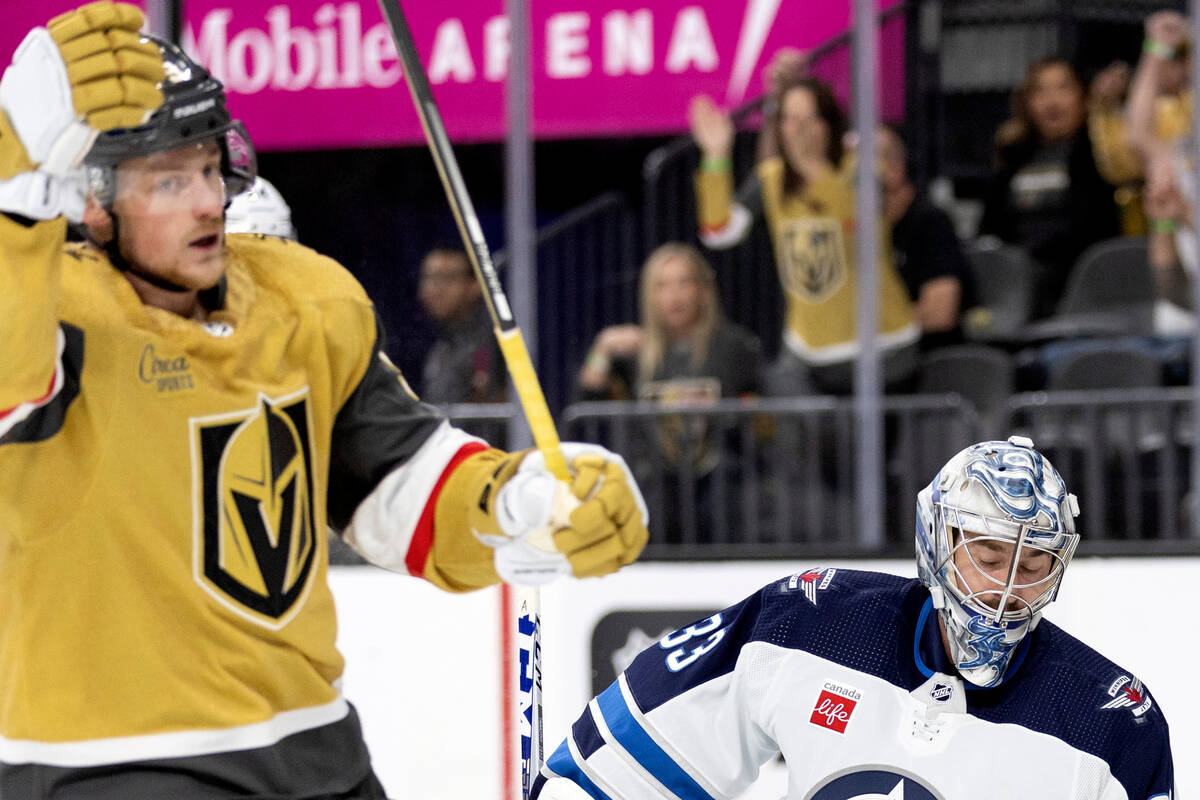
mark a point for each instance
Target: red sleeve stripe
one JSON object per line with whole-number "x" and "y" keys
{"x": 35, "y": 403}
{"x": 422, "y": 538}
{"x": 11, "y": 417}
{"x": 710, "y": 230}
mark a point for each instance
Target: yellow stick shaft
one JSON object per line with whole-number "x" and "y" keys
{"x": 533, "y": 401}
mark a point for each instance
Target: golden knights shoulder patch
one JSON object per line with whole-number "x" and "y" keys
{"x": 812, "y": 257}
{"x": 255, "y": 543}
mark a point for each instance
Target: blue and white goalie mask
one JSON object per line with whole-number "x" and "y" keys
{"x": 995, "y": 532}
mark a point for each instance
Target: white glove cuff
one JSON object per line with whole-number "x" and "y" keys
{"x": 41, "y": 196}
{"x": 517, "y": 561}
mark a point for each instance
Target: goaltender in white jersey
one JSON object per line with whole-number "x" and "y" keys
{"x": 944, "y": 687}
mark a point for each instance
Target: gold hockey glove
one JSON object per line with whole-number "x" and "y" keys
{"x": 527, "y": 527}
{"x": 87, "y": 71}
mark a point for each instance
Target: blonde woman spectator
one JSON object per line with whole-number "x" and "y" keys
{"x": 684, "y": 354}
{"x": 683, "y": 347}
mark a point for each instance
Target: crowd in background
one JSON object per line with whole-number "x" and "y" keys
{"x": 1076, "y": 165}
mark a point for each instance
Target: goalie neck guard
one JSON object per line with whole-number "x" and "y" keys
{"x": 995, "y": 533}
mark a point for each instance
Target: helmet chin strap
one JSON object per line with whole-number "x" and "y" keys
{"x": 212, "y": 298}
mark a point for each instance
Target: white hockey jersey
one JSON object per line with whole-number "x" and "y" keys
{"x": 843, "y": 672}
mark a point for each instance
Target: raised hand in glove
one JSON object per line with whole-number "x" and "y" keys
{"x": 534, "y": 526}
{"x": 87, "y": 71}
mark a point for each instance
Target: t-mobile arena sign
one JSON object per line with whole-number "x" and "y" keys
{"x": 324, "y": 73}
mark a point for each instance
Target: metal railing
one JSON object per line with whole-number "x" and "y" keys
{"x": 771, "y": 478}
{"x": 1126, "y": 453}
{"x": 774, "y": 478}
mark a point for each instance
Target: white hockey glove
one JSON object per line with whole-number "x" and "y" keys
{"x": 593, "y": 526}
{"x": 87, "y": 71}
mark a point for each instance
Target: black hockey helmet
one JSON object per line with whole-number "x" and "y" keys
{"x": 193, "y": 110}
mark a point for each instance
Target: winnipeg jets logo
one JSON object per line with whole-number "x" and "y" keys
{"x": 256, "y": 542}
{"x": 1128, "y": 692}
{"x": 873, "y": 783}
{"x": 811, "y": 581}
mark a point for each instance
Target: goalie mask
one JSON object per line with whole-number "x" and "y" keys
{"x": 995, "y": 532}
{"x": 193, "y": 110}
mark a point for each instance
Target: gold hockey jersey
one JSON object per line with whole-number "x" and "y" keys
{"x": 165, "y": 486}
{"x": 813, "y": 235}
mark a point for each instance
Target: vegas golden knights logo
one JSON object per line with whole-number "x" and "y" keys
{"x": 812, "y": 258}
{"x": 255, "y": 539}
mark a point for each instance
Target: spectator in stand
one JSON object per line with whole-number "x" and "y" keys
{"x": 808, "y": 201}
{"x": 683, "y": 341}
{"x": 1159, "y": 109}
{"x": 927, "y": 251}
{"x": 684, "y": 353}
{"x": 1172, "y": 249}
{"x": 1047, "y": 194}
{"x": 465, "y": 364}
{"x": 1117, "y": 159}
{"x": 1134, "y": 120}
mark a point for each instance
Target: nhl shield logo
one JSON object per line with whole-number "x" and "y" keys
{"x": 255, "y": 540}
{"x": 812, "y": 258}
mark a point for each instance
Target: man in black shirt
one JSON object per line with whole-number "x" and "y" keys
{"x": 927, "y": 252}
{"x": 465, "y": 364}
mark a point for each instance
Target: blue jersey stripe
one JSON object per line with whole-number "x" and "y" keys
{"x": 562, "y": 763}
{"x": 631, "y": 736}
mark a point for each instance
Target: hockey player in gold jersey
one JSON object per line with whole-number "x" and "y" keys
{"x": 182, "y": 415}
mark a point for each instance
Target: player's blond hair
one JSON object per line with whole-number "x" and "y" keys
{"x": 654, "y": 343}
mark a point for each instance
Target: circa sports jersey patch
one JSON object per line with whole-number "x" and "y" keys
{"x": 810, "y": 582}
{"x": 255, "y": 542}
{"x": 873, "y": 783}
{"x": 1128, "y": 692}
{"x": 834, "y": 706}
{"x": 164, "y": 373}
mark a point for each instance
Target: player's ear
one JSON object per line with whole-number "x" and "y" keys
{"x": 97, "y": 220}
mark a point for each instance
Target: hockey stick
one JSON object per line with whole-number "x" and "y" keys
{"x": 520, "y": 367}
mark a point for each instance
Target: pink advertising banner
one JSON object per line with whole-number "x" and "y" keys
{"x": 324, "y": 73}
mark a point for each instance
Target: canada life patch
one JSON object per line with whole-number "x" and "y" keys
{"x": 1128, "y": 692}
{"x": 835, "y": 704}
{"x": 811, "y": 581}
